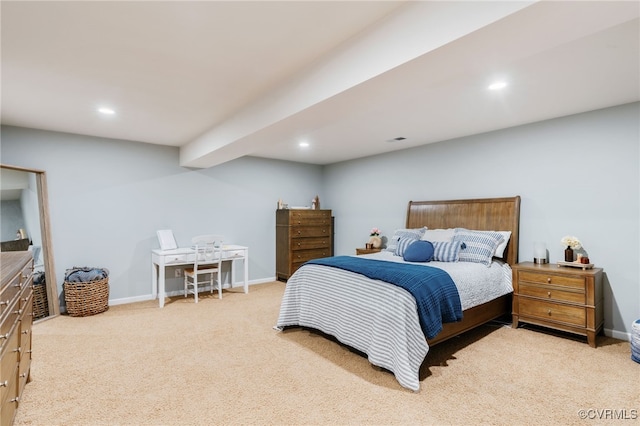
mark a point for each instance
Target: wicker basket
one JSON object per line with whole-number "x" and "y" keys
{"x": 86, "y": 298}
{"x": 40, "y": 302}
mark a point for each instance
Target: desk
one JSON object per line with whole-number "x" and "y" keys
{"x": 160, "y": 259}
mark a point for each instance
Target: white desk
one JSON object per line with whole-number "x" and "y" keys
{"x": 160, "y": 259}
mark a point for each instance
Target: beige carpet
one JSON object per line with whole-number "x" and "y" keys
{"x": 220, "y": 362}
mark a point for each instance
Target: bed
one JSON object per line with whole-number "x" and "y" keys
{"x": 382, "y": 320}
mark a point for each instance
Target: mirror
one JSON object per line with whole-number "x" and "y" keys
{"x": 25, "y": 206}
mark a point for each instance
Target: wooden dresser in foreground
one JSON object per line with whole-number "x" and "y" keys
{"x": 301, "y": 235}
{"x": 562, "y": 298}
{"x": 16, "y": 319}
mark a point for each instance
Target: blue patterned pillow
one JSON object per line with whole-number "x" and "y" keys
{"x": 392, "y": 243}
{"x": 446, "y": 251}
{"x": 403, "y": 244}
{"x": 480, "y": 246}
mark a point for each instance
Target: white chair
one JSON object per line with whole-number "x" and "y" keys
{"x": 207, "y": 262}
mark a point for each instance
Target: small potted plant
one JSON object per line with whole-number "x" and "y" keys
{"x": 374, "y": 238}
{"x": 571, "y": 243}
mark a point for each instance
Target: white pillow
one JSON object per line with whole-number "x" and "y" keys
{"x": 438, "y": 235}
{"x": 506, "y": 235}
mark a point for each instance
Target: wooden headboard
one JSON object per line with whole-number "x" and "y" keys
{"x": 487, "y": 214}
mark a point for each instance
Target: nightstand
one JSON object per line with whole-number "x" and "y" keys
{"x": 559, "y": 297}
{"x": 360, "y": 251}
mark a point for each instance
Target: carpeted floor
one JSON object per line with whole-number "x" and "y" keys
{"x": 220, "y": 363}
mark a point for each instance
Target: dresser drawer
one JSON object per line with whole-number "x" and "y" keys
{"x": 302, "y": 256}
{"x": 310, "y": 243}
{"x": 309, "y": 215}
{"x": 550, "y": 278}
{"x": 9, "y": 403}
{"x": 551, "y": 293}
{"x": 310, "y": 231}
{"x": 9, "y": 364}
{"x": 10, "y": 319}
{"x": 9, "y": 293}
{"x": 550, "y": 311}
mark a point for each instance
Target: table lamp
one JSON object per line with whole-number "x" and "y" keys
{"x": 539, "y": 253}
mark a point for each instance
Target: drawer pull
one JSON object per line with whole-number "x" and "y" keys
{"x": 4, "y": 336}
{"x": 16, "y": 399}
{"x": 549, "y": 312}
{"x": 18, "y": 312}
{"x": 548, "y": 294}
{"x": 2, "y": 303}
{"x": 18, "y": 349}
{"x": 23, "y": 375}
{"x": 25, "y": 332}
{"x": 19, "y": 285}
{"x": 4, "y": 384}
{"x": 549, "y": 279}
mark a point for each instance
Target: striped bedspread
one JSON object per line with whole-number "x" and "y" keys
{"x": 436, "y": 295}
{"x": 378, "y": 318}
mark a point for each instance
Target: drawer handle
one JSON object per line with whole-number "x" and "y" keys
{"x": 18, "y": 349}
{"x": 2, "y": 303}
{"x": 549, "y": 279}
{"x": 16, "y": 399}
{"x": 4, "y": 336}
{"x": 549, "y": 312}
{"x": 4, "y": 384}
{"x": 18, "y": 312}
{"x": 299, "y": 232}
{"x": 23, "y": 375}
{"x": 548, "y": 294}
{"x": 299, "y": 244}
{"x": 25, "y": 332}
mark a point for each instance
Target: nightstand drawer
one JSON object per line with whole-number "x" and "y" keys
{"x": 550, "y": 311}
{"x": 550, "y": 278}
{"x": 551, "y": 293}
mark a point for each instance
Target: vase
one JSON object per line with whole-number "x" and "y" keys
{"x": 375, "y": 241}
{"x": 568, "y": 254}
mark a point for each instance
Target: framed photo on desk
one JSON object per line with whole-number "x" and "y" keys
{"x": 166, "y": 239}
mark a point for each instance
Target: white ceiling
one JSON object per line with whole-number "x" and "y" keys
{"x": 227, "y": 79}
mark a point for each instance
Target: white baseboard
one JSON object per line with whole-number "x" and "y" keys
{"x": 617, "y": 334}
{"x": 143, "y": 298}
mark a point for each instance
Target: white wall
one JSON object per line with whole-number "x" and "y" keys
{"x": 577, "y": 175}
{"x": 108, "y": 197}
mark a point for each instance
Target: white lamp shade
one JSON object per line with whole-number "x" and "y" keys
{"x": 539, "y": 252}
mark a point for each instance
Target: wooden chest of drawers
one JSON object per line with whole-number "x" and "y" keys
{"x": 301, "y": 235}
{"x": 561, "y": 298}
{"x": 16, "y": 319}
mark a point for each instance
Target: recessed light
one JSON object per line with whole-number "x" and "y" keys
{"x": 106, "y": 111}
{"x": 303, "y": 144}
{"x": 498, "y": 85}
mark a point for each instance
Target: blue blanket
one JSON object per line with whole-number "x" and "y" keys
{"x": 436, "y": 295}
